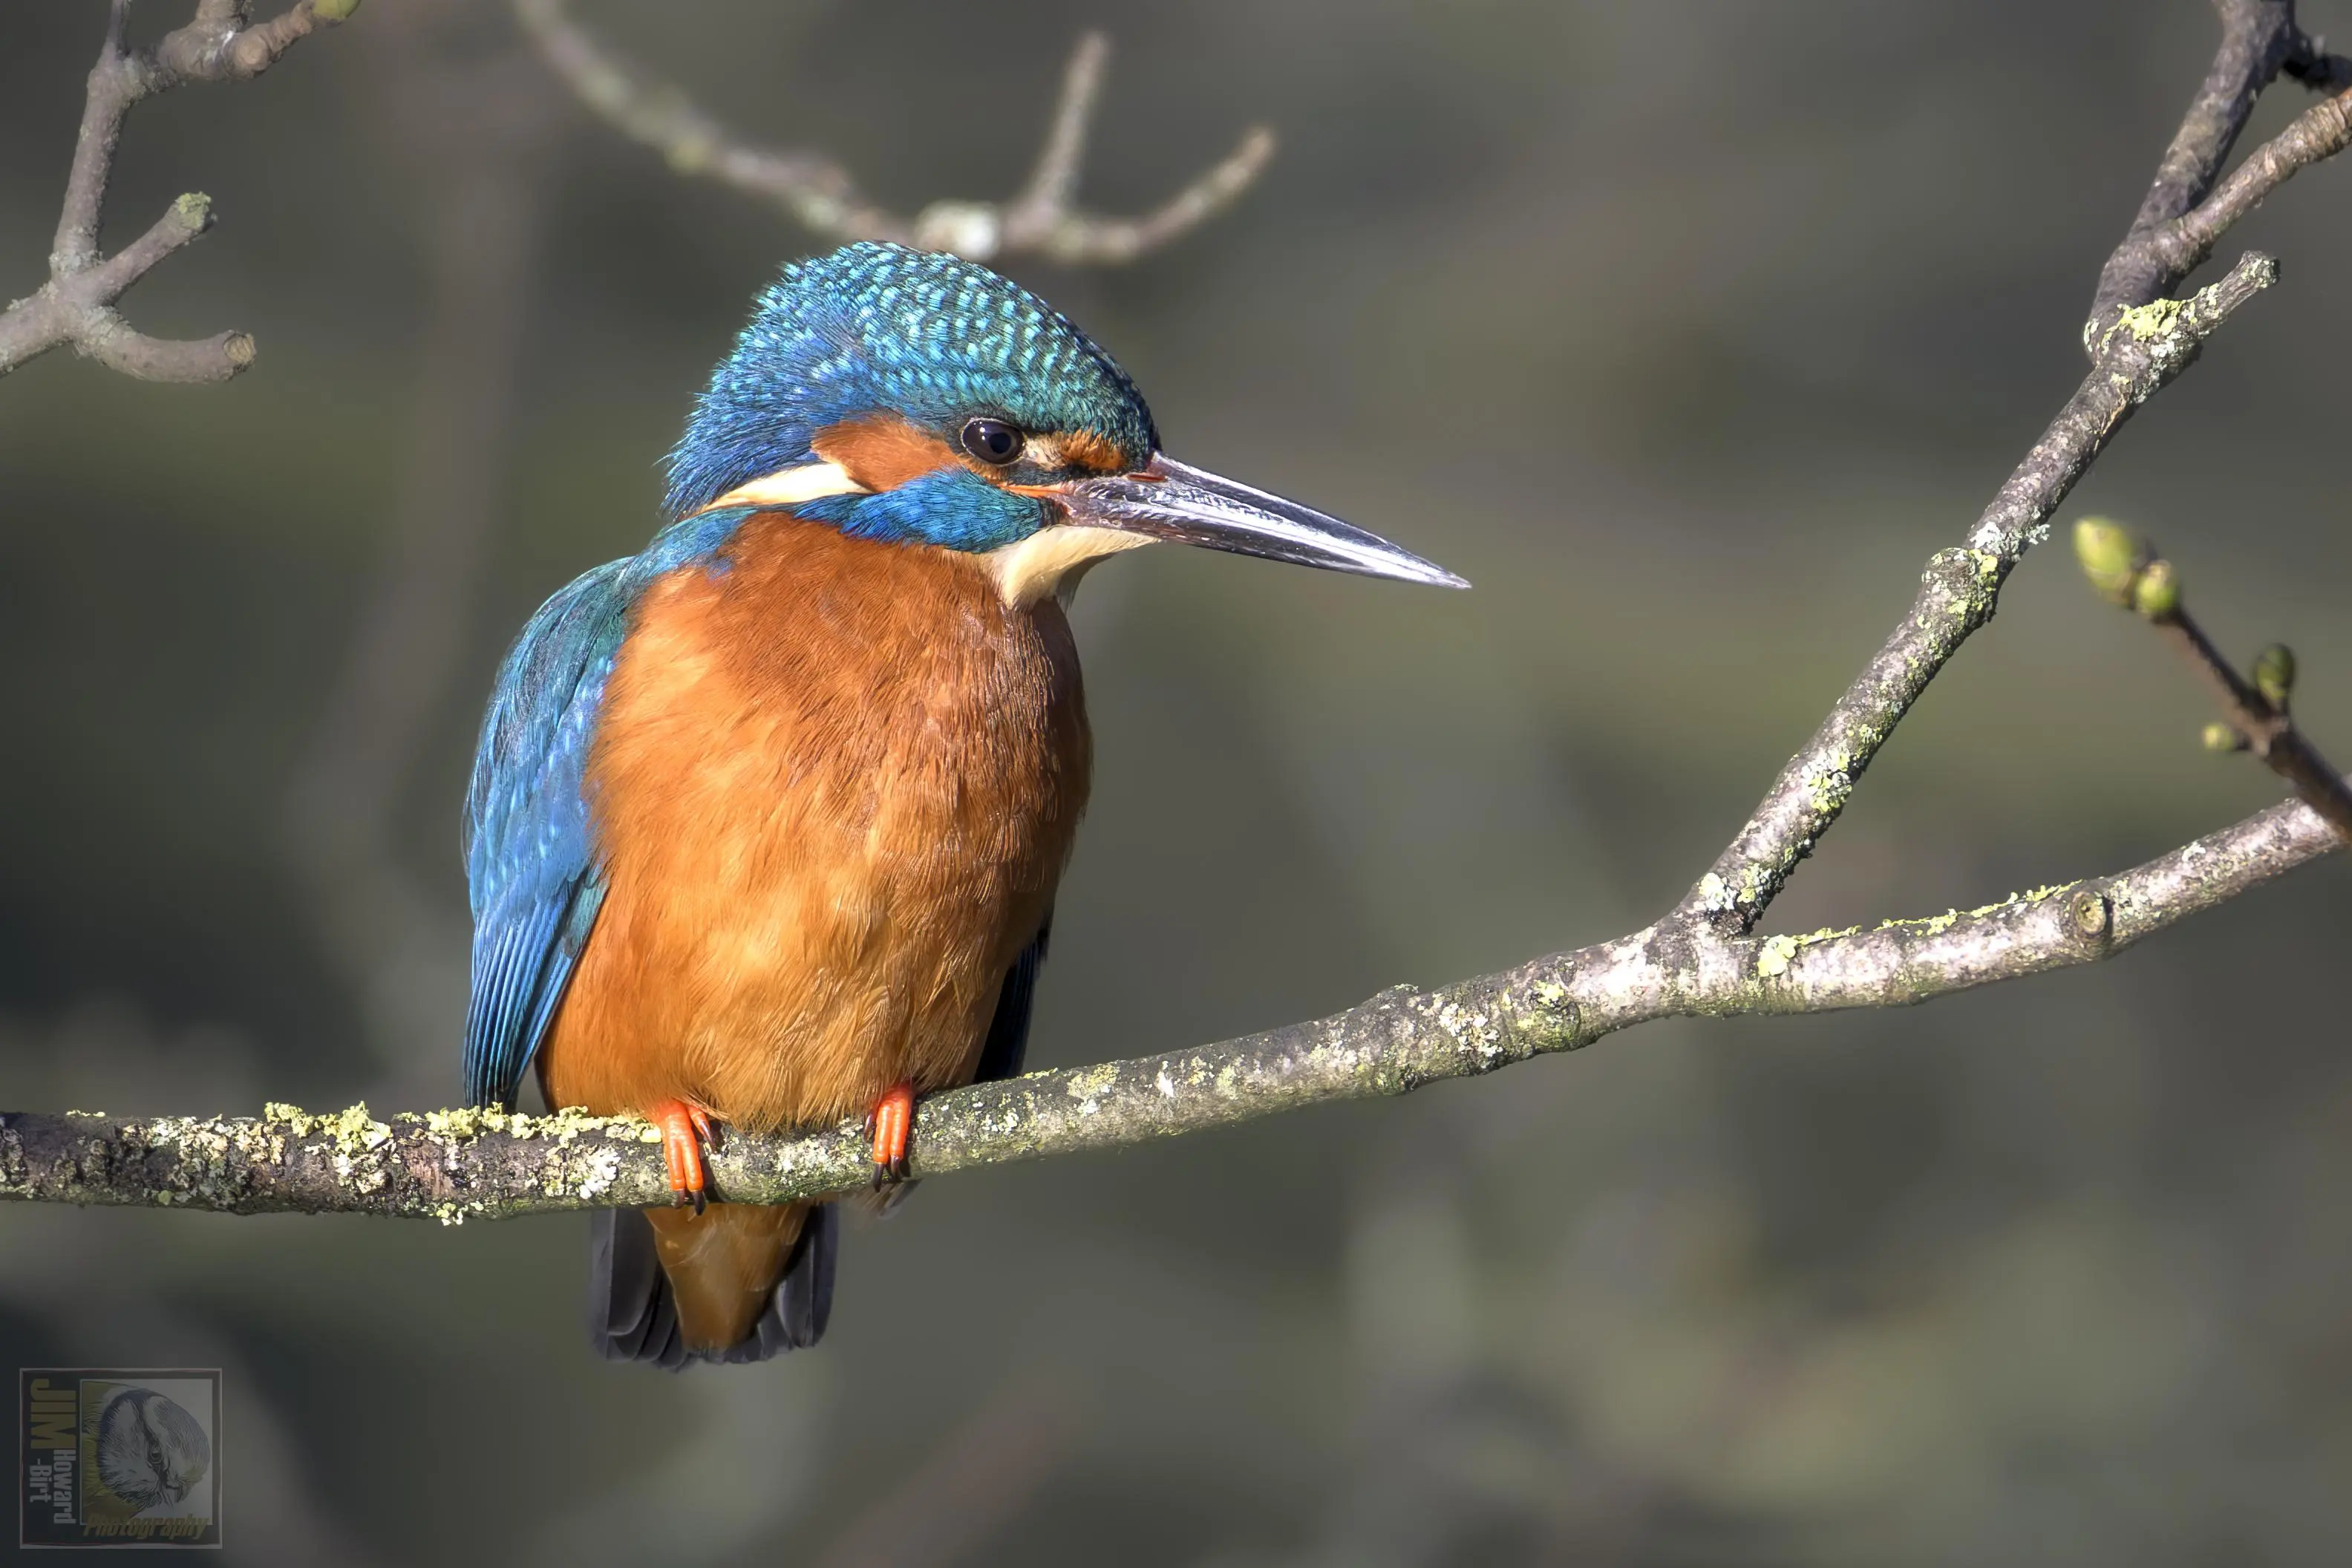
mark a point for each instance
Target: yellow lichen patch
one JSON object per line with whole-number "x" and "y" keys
{"x": 1830, "y": 790}
{"x": 1775, "y": 954}
{"x": 1936, "y": 925}
{"x": 571, "y": 1122}
{"x": 354, "y": 1135}
{"x": 469, "y": 1121}
{"x": 561, "y": 1126}
{"x": 2155, "y": 319}
{"x": 1087, "y": 1087}
{"x": 353, "y": 1130}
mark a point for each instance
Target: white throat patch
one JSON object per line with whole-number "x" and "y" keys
{"x": 790, "y": 487}
{"x": 1049, "y": 563}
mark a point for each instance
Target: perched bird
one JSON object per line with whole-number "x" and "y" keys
{"x": 766, "y": 820}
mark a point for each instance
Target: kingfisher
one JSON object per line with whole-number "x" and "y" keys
{"x": 766, "y": 820}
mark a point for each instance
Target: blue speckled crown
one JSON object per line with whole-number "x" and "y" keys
{"x": 877, "y": 327}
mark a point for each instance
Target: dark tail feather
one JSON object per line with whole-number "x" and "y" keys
{"x": 802, "y": 1300}
{"x": 632, "y": 1315}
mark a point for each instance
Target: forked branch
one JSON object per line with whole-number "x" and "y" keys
{"x": 1043, "y": 219}
{"x": 75, "y": 308}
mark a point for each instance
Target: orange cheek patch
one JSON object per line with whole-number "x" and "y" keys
{"x": 1085, "y": 449}
{"x": 883, "y": 451}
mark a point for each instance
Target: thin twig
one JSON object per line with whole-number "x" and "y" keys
{"x": 2270, "y": 732}
{"x": 2125, "y": 570}
{"x": 1056, "y": 180}
{"x": 819, "y": 193}
{"x": 75, "y": 307}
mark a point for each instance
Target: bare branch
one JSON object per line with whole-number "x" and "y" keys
{"x": 185, "y": 219}
{"x": 75, "y": 307}
{"x": 112, "y": 89}
{"x": 2320, "y": 132}
{"x": 1056, "y": 180}
{"x": 819, "y": 194}
{"x": 457, "y": 1165}
{"x": 110, "y": 341}
{"x": 2258, "y": 37}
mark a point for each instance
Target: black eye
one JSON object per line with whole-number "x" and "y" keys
{"x": 992, "y": 441}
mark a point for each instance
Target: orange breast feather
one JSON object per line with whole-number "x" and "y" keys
{"x": 834, "y": 784}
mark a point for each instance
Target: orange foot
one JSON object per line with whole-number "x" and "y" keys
{"x": 686, "y": 1131}
{"x": 892, "y": 1124}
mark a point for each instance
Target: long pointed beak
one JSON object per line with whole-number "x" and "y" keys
{"x": 1173, "y": 500}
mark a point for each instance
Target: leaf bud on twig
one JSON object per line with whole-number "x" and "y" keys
{"x": 2112, "y": 557}
{"x": 2274, "y": 675}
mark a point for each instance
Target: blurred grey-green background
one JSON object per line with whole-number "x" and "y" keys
{"x": 1687, "y": 331}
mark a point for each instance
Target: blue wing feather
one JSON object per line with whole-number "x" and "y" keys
{"x": 531, "y": 868}
{"x": 532, "y": 871}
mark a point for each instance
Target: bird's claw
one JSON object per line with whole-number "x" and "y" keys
{"x": 891, "y": 1125}
{"x": 687, "y": 1131}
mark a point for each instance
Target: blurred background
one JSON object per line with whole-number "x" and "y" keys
{"x": 1687, "y": 331}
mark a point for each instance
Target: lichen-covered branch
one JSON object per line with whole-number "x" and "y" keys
{"x": 1702, "y": 959}
{"x": 2138, "y": 343}
{"x": 819, "y": 193}
{"x": 457, "y": 1165}
{"x": 2146, "y": 349}
{"x": 75, "y": 308}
